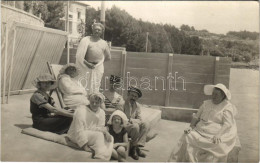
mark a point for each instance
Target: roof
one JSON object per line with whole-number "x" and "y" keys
{"x": 79, "y": 3}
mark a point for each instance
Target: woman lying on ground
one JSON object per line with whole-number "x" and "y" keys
{"x": 42, "y": 105}
{"x": 212, "y": 133}
{"x": 116, "y": 124}
{"x": 88, "y": 128}
{"x": 73, "y": 93}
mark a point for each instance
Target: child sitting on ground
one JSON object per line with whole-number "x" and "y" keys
{"x": 116, "y": 124}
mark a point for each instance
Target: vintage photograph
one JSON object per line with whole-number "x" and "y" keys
{"x": 130, "y": 81}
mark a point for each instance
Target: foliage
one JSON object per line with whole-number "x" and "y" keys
{"x": 91, "y": 15}
{"x": 244, "y": 35}
{"x": 51, "y": 12}
{"x": 125, "y": 31}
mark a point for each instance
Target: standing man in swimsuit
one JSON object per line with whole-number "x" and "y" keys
{"x": 92, "y": 52}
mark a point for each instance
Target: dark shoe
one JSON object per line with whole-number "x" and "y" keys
{"x": 133, "y": 154}
{"x": 140, "y": 153}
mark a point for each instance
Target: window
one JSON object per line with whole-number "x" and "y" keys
{"x": 79, "y": 15}
{"x": 70, "y": 16}
{"x": 70, "y": 27}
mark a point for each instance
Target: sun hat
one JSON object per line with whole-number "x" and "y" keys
{"x": 63, "y": 69}
{"x": 45, "y": 77}
{"x": 121, "y": 115}
{"x": 208, "y": 90}
{"x": 97, "y": 94}
{"x": 136, "y": 90}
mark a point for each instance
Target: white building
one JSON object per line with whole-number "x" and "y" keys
{"x": 77, "y": 13}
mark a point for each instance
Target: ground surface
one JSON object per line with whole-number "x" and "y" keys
{"x": 244, "y": 86}
{"x": 20, "y": 147}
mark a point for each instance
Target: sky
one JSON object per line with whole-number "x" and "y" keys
{"x": 214, "y": 16}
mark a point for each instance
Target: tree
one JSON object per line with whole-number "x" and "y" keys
{"x": 244, "y": 35}
{"x": 51, "y": 12}
{"x": 56, "y": 12}
{"x": 91, "y": 15}
{"x": 247, "y": 57}
{"x": 185, "y": 28}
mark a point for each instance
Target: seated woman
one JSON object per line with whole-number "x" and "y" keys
{"x": 88, "y": 128}
{"x": 113, "y": 101}
{"x": 42, "y": 105}
{"x": 116, "y": 124}
{"x": 212, "y": 133}
{"x": 74, "y": 94}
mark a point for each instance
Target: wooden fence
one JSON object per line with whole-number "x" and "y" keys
{"x": 30, "y": 47}
{"x": 166, "y": 79}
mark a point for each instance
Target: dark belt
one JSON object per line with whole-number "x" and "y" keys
{"x": 93, "y": 63}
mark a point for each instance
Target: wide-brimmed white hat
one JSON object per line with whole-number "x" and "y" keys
{"x": 208, "y": 90}
{"x": 121, "y": 115}
{"x": 96, "y": 94}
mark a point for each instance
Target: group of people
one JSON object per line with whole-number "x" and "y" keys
{"x": 85, "y": 122}
{"x": 96, "y": 122}
{"x": 102, "y": 123}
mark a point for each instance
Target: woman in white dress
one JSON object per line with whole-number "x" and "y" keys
{"x": 73, "y": 93}
{"x": 88, "y": 128}
{"x": 212, "y": 133}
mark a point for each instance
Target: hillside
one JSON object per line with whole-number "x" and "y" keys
{"x": 242, "y": 47}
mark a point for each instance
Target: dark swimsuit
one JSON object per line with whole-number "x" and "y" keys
{"x": 118, "y": 137}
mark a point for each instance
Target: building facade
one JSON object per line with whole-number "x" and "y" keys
{"x": 77, "y": 13}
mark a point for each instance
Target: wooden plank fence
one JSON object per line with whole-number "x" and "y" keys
{"x": 34, "y": 46}
{"x": 156, "y": 73}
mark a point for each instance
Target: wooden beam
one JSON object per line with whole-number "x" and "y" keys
{"x": 39, "y": 28}
{"x": 167, "y": 97}
{"x": 5, "y": 63}
{"x": 56, "y": 89}
{"x": 216, "y": 70}
{"x": 11, "y": 68}
{"x": 123, "y": 68}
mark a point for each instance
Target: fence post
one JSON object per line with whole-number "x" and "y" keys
{"x": 216, "y": 70}
{"x": 167, "y": 97}
{"x": 5, "y": 63}
{"x": 123, "y": 68}
{"x": 11, "y": 68}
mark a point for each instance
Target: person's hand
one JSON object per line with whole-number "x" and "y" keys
{"x": 108, "y": 137}
{"x": 115, "y": 145}
{"x": 130, "y": 121}
{"x": 188, "y": 130}
{"x": 89, "y": 65}
{"x": 216, "y": 139}
{"x": 71, "y": 110}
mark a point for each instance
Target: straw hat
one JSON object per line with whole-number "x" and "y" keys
{"x": 45, "y": 77}
{"x": 121, "y": 115}
{"x": 208, "y": 90}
